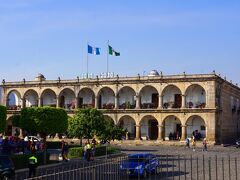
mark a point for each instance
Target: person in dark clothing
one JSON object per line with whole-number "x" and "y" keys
{"x": 32, "y": 165}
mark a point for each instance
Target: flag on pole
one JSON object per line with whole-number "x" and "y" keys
{"x": 93, "y": 50}
{"x": 112, "y": 52}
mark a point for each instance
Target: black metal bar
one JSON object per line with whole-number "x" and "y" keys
{"x": 216, "y": 165}
{"x": 179, "y": 168}
{"x": 209, "y": 168}
{"x": 223, "y": 168}
{"x": 185, "y": 171}
{"x": 191, "y": 167}
{"x": 236, "y": 169}
{"x": 173, "y": 168}
{"x": 197, "y": 169}
{"x": 167, "y": 164}
{"x": 229, "y": 167}
{"x": 203, "y": 168}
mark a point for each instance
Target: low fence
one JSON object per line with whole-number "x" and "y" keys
{"x": 169, "y": 167}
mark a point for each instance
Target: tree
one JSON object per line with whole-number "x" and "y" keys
{"x": 86, "y": 123}
{"x": 111, "y": 131}
{"x": 3, "y": 117}
{"x": 44, "y": 120}
{"x": 16, "y": 120}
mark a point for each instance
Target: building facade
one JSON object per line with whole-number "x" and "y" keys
{"x": 154, "y": 107}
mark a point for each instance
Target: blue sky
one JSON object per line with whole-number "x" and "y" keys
{"x": 50, "y": 37}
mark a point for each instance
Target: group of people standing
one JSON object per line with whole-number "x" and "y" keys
{"x": 89, "y": 150}
{"x": 193, "y": 143}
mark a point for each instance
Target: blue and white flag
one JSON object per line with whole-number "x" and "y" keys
{"x": 93, "y": 50}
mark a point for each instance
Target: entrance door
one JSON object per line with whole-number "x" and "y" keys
{"x": 177, "y": 101}
{"x": 179, "y": 130}
{"x": 153, "y": 129}
{"x": 155, "y": 100}
{"x": 80, "y": 102}
{"x": 100, "y": 102}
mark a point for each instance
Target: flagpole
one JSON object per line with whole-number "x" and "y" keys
{"x": 87, "y": 60}
{"x": 107, "y": 55}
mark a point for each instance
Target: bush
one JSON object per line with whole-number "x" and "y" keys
{"x": 20, "y": 161}
{"x": 3, "y": 116}
{"x": 100, "y": 151}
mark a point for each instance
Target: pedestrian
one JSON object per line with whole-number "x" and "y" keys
{"x": 32, "y": 165}
{"x": 193, "y": 144}
{"x": 204, "y": 144}
{"x": 88, "y": 151}
{"x": 62, "y": 149}
{"x": 187, "y": 143}
{"x": 65, "y": 151}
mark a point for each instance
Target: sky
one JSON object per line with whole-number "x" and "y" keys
{"x": 172, "y": 36}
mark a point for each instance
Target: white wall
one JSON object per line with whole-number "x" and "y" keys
{"x": 195, "y": 124}
{"x": 87, "y": 96}
{"x": 49, "y": 98}
{"x": 195, "y": 95}
{"x": 170, "y": 125}
{"x": 107, "y": 96}
{"x": 169, "y": 94}
{"x": 31, "y": 100}
{"x": 129, "y": 124}
{"x": 126, "y": 95}
{"x": 146, "y": 94}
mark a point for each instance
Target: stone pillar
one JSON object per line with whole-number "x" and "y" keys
{"x": 137, "y": 101}
{"x": 23, "y": 104}
{"x": 76, "y": 103}
{"x": 138, "y": 133}
{"x": 116, "y": 102}
{"x": 39, "y": 102}
{"x": 160, "y": 131}
{"x": 57, "y": 102}
{"x": 184, "y": 133}
{"x": 160, "y": 105}
{"x": 183, "y": 101}
{"x": 96, "y": 102}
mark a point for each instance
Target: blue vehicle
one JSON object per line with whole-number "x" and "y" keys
{"x": 140, "y": 165}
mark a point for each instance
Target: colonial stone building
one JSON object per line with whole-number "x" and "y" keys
{"x": 154, "y": 107}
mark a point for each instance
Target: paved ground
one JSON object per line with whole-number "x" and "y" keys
{"x": 176, "y": 162}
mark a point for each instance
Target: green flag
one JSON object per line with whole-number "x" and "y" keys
{"x": 112, "y": 52}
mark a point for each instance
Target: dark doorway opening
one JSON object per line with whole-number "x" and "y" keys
{"x": 177, "y": 101}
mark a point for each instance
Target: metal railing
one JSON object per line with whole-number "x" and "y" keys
{"x": 175, "y": 167}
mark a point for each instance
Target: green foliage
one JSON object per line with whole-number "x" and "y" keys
{"x": 86, "y": 123}
{"x": 77, "y": 152}
{"x": 111, "y": 131}
{"x": 45, "y": 120}
{"x": 3, "y": 117}
{"x": 16, "y": 120}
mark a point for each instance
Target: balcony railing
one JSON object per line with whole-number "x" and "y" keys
{"x": 149, "y": 106}
{"x": 127, "y": 106}
{"x": 107, "y": 106}
{"x": 14, "y": 107}
{"x": 196, "y": 105}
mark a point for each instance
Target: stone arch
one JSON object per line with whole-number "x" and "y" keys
{"x": 149, "y": 127}
{"x": 195, "y": 96}
{"x": 48, "y": 98}
{"x": 149, "y": 97}
{"x": 126, "y": 96}
{"x": 128, "y": 123}
{"x": 106, "y": 98}
{"x": 109, "y": 118}
{"x": 14, "y": 100}
{"x": 31, "y": 98}
{"x": 86, "y": 98}
{"x": 196, "y": 124}
{"x": 172, "y": 128}
{"x": 67, "y": 99}
{"x": 172, "y": 97}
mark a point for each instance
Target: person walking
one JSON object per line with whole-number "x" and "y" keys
{"x": 193, "y": 144}
{"x": 32, "y": 165}
{"x": 204, "y": 144}
{"x": 187, "y": 143}
{"x": 88, "y": 149}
